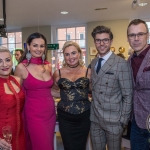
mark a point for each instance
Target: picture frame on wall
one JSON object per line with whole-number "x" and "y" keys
{"x": 93, "y": 51}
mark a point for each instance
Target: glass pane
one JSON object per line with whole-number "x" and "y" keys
{"x": 81, "y": 43}
{"x": 18, "y": 37}
{"x": 61, "y": 34}
{"x": 80, "y": 33}
{"x": 4, "y": 45}
{"x": 11, "y": 47}
{"x": 19, "y": 46}
{"x": 3, "y": 40}
{"x": 10, "y": 37}
{"x": 61, "y": 44}
{"x": 84, "y": 54}
{"x": 70, "y": 33}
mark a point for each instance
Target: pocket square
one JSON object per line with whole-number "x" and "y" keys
{"x": 146, "y": 69}
{"x": 109, "y": 73}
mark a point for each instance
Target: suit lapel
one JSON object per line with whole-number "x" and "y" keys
{"x": 145, "y": 63}
{"x": 129, "y": 60}
{"x": 107, "y": 65}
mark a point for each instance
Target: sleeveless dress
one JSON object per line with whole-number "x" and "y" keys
{"x": 10, "y": 113}
{"x": 39, "y": 113}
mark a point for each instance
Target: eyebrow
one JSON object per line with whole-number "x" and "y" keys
{"x": 5, "y": 58}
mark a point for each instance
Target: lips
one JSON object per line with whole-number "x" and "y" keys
{"x": 5, "y": 69}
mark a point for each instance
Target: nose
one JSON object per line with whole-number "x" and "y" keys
{"x": 136, "y": 37}
{"x": 4, "y": 63}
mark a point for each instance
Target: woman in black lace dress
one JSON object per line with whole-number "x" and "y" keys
{"x": 73, "y": 80}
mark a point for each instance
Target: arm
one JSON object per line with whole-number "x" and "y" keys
{"x": 20, "y": 72}
{"x": 55, "y": 89}
{"x": 125, "y": 82}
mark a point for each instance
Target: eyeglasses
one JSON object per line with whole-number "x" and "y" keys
{"x": 105, "y": 41}
{"x": 139, "y": 35}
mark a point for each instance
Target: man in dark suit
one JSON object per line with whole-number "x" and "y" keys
{"x": 111, "y": 93}
{"x": 138, "y": 36}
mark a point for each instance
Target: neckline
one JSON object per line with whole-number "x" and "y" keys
{"x": 36, "y": 78}
{"x": 73, "y": 81}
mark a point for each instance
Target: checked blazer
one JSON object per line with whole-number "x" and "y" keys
{"x": 111, "y": 91}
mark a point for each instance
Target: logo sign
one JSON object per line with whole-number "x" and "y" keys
{"x": 52, "y": 46}
{"x": 148, "y": 122}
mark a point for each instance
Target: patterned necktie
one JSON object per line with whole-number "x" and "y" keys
{"x": 99, "y": 65}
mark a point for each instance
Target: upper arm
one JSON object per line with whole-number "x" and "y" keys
{"x": 56, "y": 78}
{"x": 20, "y": 72}
{"x": 18, "y": 79}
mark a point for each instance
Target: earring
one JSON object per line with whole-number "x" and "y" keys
{"x": 43, "y": 58}
{"x": 28, "y": 56}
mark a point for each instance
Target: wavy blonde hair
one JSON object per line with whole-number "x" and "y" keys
{"x": 71, "y": 43}
{"x": 4, "y": 49}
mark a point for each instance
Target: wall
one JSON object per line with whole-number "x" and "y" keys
{"x": 118, "y": 28}
{"x": 45, "y": 30}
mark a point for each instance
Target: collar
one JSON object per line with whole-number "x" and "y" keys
{"x": 143, "y": 53}
{"x": 106, "y": 56}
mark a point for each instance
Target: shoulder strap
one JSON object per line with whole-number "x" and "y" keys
{"x": 59, "y": 73}
{"x": 25, "y": 67}
{"x": 86, "y": 72}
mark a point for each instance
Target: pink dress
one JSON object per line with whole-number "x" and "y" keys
{"x": 39, "y": 114}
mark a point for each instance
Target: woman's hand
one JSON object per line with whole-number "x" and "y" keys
{"x": 4, "y": 145}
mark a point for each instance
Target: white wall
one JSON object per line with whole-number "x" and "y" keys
{"x": 45, "y": 30}
{"x": 118, "y": 28}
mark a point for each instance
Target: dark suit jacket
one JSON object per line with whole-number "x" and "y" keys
{"x": 141, "y": 97}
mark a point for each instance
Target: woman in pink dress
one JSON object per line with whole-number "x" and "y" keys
{"x": 39, "y": 109}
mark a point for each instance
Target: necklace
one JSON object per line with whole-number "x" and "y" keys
{"x": 73, "y": 66}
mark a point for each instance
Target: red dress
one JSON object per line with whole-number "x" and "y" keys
{"x": 11, "y": 106}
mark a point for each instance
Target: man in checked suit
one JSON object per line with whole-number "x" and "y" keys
{"x": 111, "y": 93}
{"x": 138, "y": 36}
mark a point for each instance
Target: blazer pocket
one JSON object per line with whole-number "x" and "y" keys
{"x": 111, "y": 73}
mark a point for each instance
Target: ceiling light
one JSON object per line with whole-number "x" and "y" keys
{"x": 64, "y": 12}
{"x": 142, "y": 4}
{"x": 100, "y": 8}
{"x": 1, "y": 19}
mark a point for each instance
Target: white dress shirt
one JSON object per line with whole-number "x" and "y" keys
{"x": 105, "y": 58}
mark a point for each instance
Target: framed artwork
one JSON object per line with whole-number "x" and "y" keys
{"x": 93, "y": 51}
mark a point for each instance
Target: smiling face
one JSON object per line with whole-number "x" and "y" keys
{"x": 37, "y": 47}
{"x": 71, "y": 56}
{"x": 5, "y": 64}
{"x": 138, "y": 43}
{"x": 102, "y": 43}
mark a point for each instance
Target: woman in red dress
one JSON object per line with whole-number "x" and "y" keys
{"x": 11, "y": 104}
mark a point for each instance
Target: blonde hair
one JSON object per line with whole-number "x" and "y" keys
{"x": 4, "y": 49}
{"x": 71, "y": 43}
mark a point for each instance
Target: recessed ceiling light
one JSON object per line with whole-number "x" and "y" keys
{"x": 64, "y": 12}
{"x": 100, "y": 9}
{"x": 142, "y": 4}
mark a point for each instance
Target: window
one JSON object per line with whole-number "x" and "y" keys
{"x": 12, "y": 42}
{"x": 76, "y": 34}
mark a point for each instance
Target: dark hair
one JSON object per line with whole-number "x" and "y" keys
{"x": 20, "y": 50}
{"x": 100, "y": 30}
{"x": 33, "y": 36}
{"x": 137, "y": 22}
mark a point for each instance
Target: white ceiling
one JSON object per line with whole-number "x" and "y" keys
{"x": 27, "y": 13}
